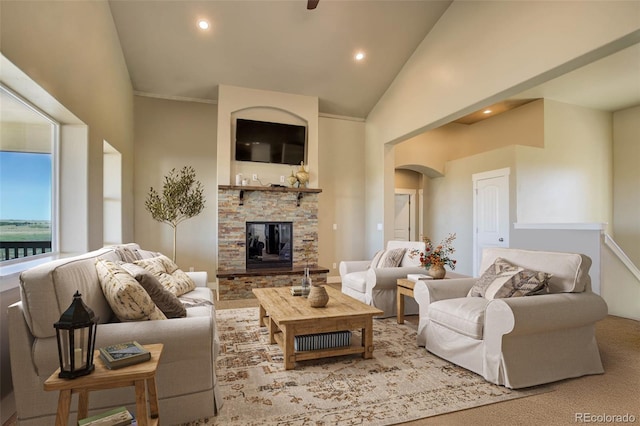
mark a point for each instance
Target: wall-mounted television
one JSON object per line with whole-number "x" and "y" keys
{"x": 267, "y": 142}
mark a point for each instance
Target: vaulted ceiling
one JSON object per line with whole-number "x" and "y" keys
{"x": 282, "y": 46}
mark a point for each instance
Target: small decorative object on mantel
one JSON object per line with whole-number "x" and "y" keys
{"x": 318, "y": 296}
{"x": 433, "y": 259}
{"x": 302, "y": 175}
{"x": 292, "y": 179}
{"x": 76, "y": 335}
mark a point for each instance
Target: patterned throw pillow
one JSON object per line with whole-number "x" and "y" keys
{"x": 168, "y": 273}
{"x": 128, "y": 300}
{"x": 168, "y": 302}
{"x": 392, "y": 258}
{"x": 376, "y": 259}
{"x": 503, "y": 279}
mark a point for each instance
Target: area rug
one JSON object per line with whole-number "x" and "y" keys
{"x": 402, "y": 382}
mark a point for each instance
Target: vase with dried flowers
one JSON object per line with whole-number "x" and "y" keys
{"x": 434, "y": 259}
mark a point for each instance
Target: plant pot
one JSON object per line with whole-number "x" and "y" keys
{"x": 437, "y": 272}
{"x": 318, "y": 296}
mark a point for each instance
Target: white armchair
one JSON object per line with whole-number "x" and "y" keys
{"x": 377, "y": 286}
{"x": 519, "y": 341}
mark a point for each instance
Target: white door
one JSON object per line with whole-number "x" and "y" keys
{"x": 491, "y": 212}
{"x": 402, "y": 228}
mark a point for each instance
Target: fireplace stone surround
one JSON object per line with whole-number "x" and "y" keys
{"x": 240, "y": 204}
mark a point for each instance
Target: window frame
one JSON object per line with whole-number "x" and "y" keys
{"x": 55, "y": 181}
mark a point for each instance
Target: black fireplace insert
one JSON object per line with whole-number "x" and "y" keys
{"x": 269, "y": 245}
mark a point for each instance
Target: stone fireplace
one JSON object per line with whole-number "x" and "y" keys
{"x": 240, "y": 205}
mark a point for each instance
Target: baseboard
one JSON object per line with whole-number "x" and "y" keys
{"x": 333, "y": 280}
{"x": 7, "y": 407}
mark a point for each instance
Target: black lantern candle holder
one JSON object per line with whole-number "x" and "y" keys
{"x": 76, "y": 334}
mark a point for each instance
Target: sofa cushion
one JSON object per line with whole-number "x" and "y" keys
{"x": 464, "y": 315}
{"x": 128, "y": 300}
{"x": 356, "y": 281}
{"x": 165, "y": 300}
{"x": 47, "y": 290}
{"x": 570, "y": 271}
{"x": 391, "y": 258}
{"x": 168, "y": 273}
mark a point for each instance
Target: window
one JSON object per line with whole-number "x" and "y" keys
{"x": 28, "y": 164}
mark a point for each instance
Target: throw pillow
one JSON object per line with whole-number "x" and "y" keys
{"x": 128, "y": 300}
{"x": 126, "y": 254}
{"x": 503, "y": 279}
{"x": 376, "y": 259}
{"x": 523, "y": 283}
{"x": 499, "y": 269}
{"x": 168, "y": 273}
{"x": 168, "y": 302}
{"x": 392, "y": 258}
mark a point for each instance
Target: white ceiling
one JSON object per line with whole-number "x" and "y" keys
{"x": 610, "y": 84}
{"x": 281, "y": 46}
{"x": 273, "y": 45}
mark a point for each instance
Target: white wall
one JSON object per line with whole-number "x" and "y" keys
{"x": 233, "y": 101}
{"x": 570, "y": 180}
{"x": 72, "y": 52}
{"x": 341, "y": 143}
{"x": 626, "y": 182}
{"x": 173, "y": 134}
{"x": 453, "y": 71}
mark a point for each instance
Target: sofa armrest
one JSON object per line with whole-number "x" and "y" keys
{"x": 348, "y": 266}
{"x": 387, "y": 278}
{"x": 539, "y": 314}
{"x": 199, "y": 277}
{"x": 196, "y": 333}
{"x": 426, "y": 292}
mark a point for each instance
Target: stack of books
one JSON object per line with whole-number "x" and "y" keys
{"x": 116, "y": 417}
{"x": 312, "y": 342}
{"x": 297, "y": 290}
{"x": 418, "y": 277}
{"x": 124, "y": 354}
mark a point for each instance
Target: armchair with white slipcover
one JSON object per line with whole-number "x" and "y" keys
{"x": 374, "y": 281}
{"x": 516, "y": 341}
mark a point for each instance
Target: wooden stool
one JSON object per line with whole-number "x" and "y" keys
{"x": 142, "y": 376}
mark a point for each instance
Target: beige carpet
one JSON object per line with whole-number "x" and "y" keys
{"x": 401, "y": 383}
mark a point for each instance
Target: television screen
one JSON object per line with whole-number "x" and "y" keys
{"x": 267, "y": 142}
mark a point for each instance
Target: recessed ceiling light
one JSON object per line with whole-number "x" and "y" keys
{"x": 487, "y": 111}
{"x": 359, "y": 56}
{"x": 203, "y": 24}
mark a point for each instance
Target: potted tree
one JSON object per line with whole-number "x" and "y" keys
{"x": 181, "y": 199}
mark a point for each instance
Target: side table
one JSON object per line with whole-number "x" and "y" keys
{"x": 404, "y": 287}
{"x": 142, "y": 376}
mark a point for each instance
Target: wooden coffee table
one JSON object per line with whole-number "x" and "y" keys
{"x": 288, "y": 316}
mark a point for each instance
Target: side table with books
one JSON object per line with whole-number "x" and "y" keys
{"x": 141, "y": 375}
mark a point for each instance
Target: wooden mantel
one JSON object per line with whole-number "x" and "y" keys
{"x": 270, "y": 188}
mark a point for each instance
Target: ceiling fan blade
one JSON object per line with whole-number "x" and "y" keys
{"x": 312, "y": 4}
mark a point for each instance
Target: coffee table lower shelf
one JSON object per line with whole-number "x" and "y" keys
{"x": 355, "y": 348}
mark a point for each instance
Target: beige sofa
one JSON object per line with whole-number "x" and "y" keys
{"x": 517, "y": 341}
{"x": 186, "y": 380}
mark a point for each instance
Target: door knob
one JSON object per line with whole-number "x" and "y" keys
{"x": 501, "y": 239}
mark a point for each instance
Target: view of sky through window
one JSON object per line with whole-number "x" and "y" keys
{"x": 25, "y": 186}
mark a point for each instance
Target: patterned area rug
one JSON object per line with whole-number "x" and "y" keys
{"x": 402, "y": 381}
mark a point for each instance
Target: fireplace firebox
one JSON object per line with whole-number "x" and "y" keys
{"x": 269, "y": 245}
